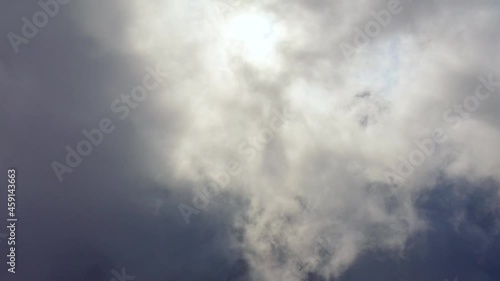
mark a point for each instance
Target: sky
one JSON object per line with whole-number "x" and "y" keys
{"x": 267, "y": 140}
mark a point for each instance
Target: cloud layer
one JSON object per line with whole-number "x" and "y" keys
{"x": 386, "y": 165}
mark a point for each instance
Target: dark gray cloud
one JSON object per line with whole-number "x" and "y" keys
{"x": 461, "y": 242}
{"x": 60, "y": 83}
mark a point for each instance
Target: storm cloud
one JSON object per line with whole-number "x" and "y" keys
{"x": 283, "y": 140}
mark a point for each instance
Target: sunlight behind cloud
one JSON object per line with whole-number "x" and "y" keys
{"x": 256, "y": 33}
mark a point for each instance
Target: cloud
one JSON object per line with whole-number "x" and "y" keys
{"x": 323, "y": 176}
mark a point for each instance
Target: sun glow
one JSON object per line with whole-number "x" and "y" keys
{"x": 256, "y": 34}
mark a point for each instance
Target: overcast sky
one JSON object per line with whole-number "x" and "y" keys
{"x": 265, "y": 140}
